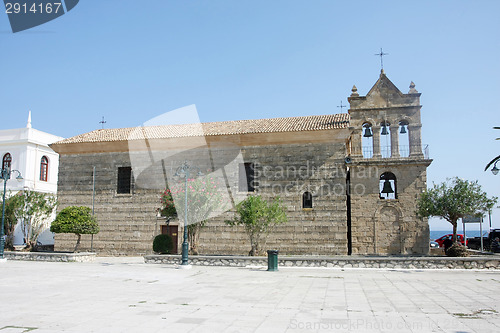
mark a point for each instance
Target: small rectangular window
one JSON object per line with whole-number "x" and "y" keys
{"x": 246, "y": 177}
{"x": 307, "y": 200}
{"x": 124, "y": 180}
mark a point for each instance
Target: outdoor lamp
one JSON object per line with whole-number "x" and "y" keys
{"x": 495, "y": 169}
{"x": 183, "y": 172}
{"x": 5, "y": 175}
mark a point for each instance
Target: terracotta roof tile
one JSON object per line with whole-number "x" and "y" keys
{"x": 273, "y": 125}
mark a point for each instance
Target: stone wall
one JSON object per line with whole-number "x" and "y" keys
{"x": 487, "y": 262}
{"x": 129, "y": 222}
{"x": 388, "y": 226}
{"x": 52, "y": 257}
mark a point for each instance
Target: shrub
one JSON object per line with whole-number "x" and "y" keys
{"x": 75, "y": 220}
{"x": 457, "y": 250}
{"x": 163, "y": 244}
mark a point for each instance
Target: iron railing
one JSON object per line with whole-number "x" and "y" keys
{"x": 404, "y": 151}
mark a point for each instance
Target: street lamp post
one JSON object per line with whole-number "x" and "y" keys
{"x": 495, "y": 170}
{"x": 185, "y": 171}
{"x": 5, "y": 175}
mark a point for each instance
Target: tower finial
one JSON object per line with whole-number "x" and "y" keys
{"x": 381, "y": 55}
{"x": 28, "y": 125}
{"x": 412, "y": 88}
{"x": 102, "y": 122}
{"x": 354, "y": 91}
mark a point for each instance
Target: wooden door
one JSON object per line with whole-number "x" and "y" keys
{"x": 171, "y": 230}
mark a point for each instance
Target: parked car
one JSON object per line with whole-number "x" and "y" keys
{"x": 475, "y": 242}
{"x": 433, "y": 244}
{"x": 441, "y": 239}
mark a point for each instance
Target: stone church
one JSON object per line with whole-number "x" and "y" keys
{"x": 349, "y": 181}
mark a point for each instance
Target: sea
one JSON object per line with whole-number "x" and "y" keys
{"x": 468, "y": 233}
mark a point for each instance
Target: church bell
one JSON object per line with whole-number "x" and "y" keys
{"x": 387, "y": 187}
{"x": 368, "y": 132}
{"x": 384, "y": 130}
{"x": 403, "y": 129}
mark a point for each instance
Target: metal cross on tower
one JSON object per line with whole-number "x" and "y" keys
{"x": 341, "y": 106}
{"x": 381, "y": 55}
{"x": 102, "y": 122}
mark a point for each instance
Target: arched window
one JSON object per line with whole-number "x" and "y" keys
{"x": 307, "y": 200}
{"x": 388, "y": 186}
{"x": 367, "y": 140}
{"x": 385, "y": 139}
{"x": 44, "y": 168}
{"x": 6, "y": 161}
{"x": 404, "y": 139}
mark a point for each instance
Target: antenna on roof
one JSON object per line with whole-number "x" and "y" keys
{"x": 381, "y": 55}
{"x": 341, "y": 106}
{"x": 102, "y": 122}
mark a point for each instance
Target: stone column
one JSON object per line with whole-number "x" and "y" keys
{"x": 394, "y": 141}
{"x": 414, "y": 132}
{"x": 376, "y": 141}
{"x": 356, "y": 142}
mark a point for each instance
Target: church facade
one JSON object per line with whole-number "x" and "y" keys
{"x": 349, "y": 181}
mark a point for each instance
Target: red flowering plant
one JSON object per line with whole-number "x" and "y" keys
{"x": 167, "y": 204}
{"x": 206, "y": 198}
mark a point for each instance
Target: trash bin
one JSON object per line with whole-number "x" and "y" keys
{"x": 272, "y": 260}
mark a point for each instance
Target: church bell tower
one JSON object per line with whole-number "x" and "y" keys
{"x": 387, "y": 171}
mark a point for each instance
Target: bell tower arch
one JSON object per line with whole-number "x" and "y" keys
{"x": 383, "y": 115}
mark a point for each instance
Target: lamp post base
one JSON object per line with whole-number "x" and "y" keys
{"x": 185, "y": 249}
{"x": 2, "y": 260}
{"x": 184, "y": 266}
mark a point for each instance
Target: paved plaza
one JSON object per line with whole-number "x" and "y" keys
{"x": 126, "y": 295}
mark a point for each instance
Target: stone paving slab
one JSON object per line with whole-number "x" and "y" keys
{"x": 127, "y": 295}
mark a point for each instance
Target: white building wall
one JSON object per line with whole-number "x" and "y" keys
{"x": 27, "y": 146}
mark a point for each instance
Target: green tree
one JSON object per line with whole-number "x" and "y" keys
{"x": 453, "y": 200}
{"x": 205, "y": 199}
{"x": 76, "y": 220}
{"x": 258, "y": 217}
{"x": 32, "y": 209}
{"x": 10, "y": 222}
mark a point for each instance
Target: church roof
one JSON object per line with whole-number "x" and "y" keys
{"x": 273, "y": 125}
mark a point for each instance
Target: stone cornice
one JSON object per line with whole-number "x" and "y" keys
{"x": 390, "y": 161}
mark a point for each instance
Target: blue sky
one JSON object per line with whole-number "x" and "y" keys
{"x": 130, "y": 61}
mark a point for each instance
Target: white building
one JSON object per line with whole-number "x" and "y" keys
{"x": 27, "y": 150}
